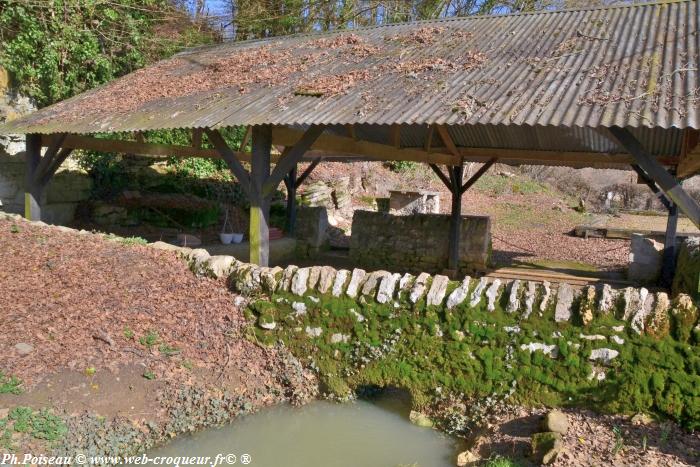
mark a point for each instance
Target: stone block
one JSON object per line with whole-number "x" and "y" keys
{"x": 312, "y": 227}
{"x": 645, "y": 259}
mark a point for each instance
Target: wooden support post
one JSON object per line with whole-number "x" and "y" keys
{"x": 291, "y": 183}
{"x": 34, "y": 189}
{"x": 456, "y": 174}
{"x": 668, "y": 265}
{"x": 259, "y": 203}
{"x": 667, "y": 182}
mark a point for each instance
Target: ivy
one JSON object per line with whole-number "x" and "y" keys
{"x": 55, "y": 50}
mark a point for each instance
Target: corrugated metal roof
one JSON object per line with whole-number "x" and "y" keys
{"x": 633, "y": 66}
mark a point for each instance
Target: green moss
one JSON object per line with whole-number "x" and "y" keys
{"x": 469, "y": 351}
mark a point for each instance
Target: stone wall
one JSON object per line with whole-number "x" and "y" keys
{"x": 625, "y": 350}
{"x": 63, "y": 194}
{"x": 311, "y": 231}
{"x": 417, "y": 242}
{"x": 687, "y": 278}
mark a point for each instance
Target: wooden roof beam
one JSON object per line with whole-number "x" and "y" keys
{"x": 345, "y": 145}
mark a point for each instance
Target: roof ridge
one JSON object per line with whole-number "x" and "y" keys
{"x": 430, "y": 21}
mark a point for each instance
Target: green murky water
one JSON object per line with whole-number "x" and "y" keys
{"x": 324, "y": 434}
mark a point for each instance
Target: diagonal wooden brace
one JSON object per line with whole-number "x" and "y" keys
{"x": 231, "y": 160}
{"x": 666, "y": 182}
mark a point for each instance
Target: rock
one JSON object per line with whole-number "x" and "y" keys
{"x": 587, "y": 305}
{"x": 606, "y": 304}
{"x": 419, "y": 287}
{"x": 492, "y": 294}
{"x": 369, "y": 288}
{"x": 300, "y": 281}
{"x": 337, "y": 338}
{"x": 514, "y": 297}
{"x": 166, "y": 247}
{"x": 360, "y": 318}
{"x": 406, "y": 282}
{"x": 341, "y": 277}
{"x": 313, "y": 332}
{"x": 356, "y": 280}
{"x": 299, "y": 308}
{"x": 565, "y": 298}
{"x": 437, "y": 290}
{"x": 220, "y": 265}
{"x": 325, "y": 282}
{"x": 530, "y": 296}
{"x": 478, "y": 290}
{"x": 467, "y": 458}
{"x": 593, "y": 337}
{"x": 645, "y": 259}
{"x": 617, "y": 339}
{"x": 683, "y": 317}
{"x": 267, "y": 322}
{"x": 604, "y": 356}
{"x": 546, "y": 295}
{"x": 23, "y": 348}
{"x": 547, "y": 349}
{"x": 658, "y": 324}
{"x": 387, "y": 287}
{"x": 546, "y": 447}
{"x": 268, "y": 278}
{"x": 556, "y": 421}
{"x": 314, "y": 276}
{"x": 199, "y": 261}
{"x": 631, "y": 303}
{"x": 645, "y": 304}
{"x": 286, "y": 282}
{"x": 420, "y": 419}
{"x": 459, "y": 294}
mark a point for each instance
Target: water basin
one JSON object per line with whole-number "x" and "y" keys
{"x": 323, "y": 434}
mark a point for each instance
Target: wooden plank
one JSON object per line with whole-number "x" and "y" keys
{"x": 658, "y": 173}
{"x": 373, "y": 151}
{"x": 34, "y": 190}
{"x": 291, "y": 183}
{"x": 133, "y": 147}
{"x": 231, "y": 160}
{"x": 668, "y": 264}
{"x": 396, "y": 136}
{"x": 455, "y": 219}
{"x": 197, "y": 138}
{"x": 475, "y": 178}
{"x": 259, "y": 203}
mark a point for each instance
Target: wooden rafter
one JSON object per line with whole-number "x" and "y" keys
{"x": 447, "y": 139}
{"x": 689, "y": 164}
{"x": 373, "y": 151}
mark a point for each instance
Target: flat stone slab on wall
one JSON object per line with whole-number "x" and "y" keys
{"x": 418, "y": 242}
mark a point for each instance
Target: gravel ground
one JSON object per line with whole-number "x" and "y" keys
{"x": 592, "y": 440}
